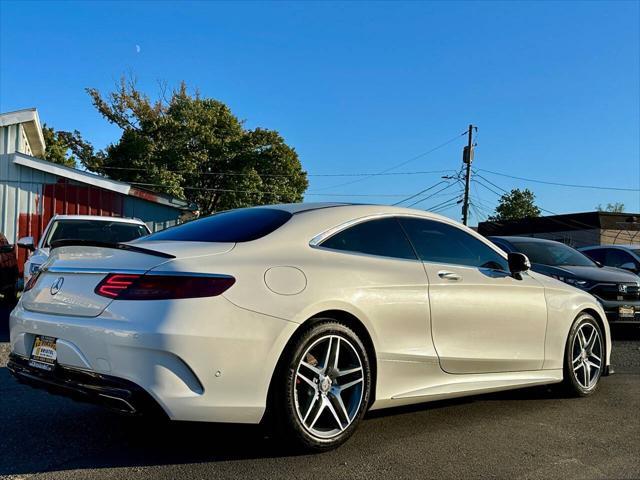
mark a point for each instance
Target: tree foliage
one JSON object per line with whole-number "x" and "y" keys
{"x": 193, "y": 148}
{"x": 57, "y": 147}
{"x": 516, "y": 205}
{"x": 616, "y": 207}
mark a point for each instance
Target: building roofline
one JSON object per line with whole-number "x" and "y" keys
{"x": 30, "y": 121}
{"x": 567, "y": 222}
{"x": 97, "y": 181}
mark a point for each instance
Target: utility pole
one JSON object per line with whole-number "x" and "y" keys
{"x": 467, "y": 158}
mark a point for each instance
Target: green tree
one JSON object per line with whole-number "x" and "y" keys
{"x": 57, "y": 147}
{"x": 616, "y": 207}
{"x": 516, "y": 205}
{"x": 193, "y": 148}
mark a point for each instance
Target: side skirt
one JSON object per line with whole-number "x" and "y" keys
{"x": 442, "y": 385}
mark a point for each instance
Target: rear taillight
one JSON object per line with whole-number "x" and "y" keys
{"x": 115, "y": 284}
{"x": 122, "y": 286}
{"x": 32, "y": 281}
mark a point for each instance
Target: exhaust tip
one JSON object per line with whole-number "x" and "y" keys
{"x": 116, "y": 403}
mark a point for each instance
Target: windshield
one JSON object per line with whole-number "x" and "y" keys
{"x": 555, "y": 254}
{"x": 636, "y": 251}
{"x": 242, "y": 225}
{"x": 96, "y": 230}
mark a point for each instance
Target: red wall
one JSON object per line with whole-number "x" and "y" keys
{"x": 63, "y": 198}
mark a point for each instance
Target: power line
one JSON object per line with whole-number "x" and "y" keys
{"x": 444, "y": 208}
{"x": 487, "y": 187}
{"x": 420, "y": 155}
{"x": 264, "y": 192}
{"x": 444, "y": 205}
{"x": 491, "y": 183}
{"x": 276, "y": 175}
{"x": 419, "y": 193}
{"x": 432, "y": 195}
{"x": 567, "y": 224}
{"x": 476, "y": 211}
{"x": 570, "y": 185}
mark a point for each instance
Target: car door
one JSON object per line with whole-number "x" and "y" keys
{"x": 381, "y": 274}
{"x": 483, "y": 319}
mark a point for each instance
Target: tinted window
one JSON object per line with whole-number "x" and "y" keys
{"x": 382, "y": 237}
{"x": 502, "y": 245}
{"x": 555, "y": 254}
{"x": 242, "y": 225}
{"x": 441, "y": 243}
{"x": 617, "y": 258}
{"x": 98, "y": 230}
{"x": 595, "y": 254}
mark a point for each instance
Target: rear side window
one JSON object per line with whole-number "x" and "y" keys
{"x": 441, "y": 243}
{"x": 242, "y": 225}
{"x": 383, "y": 237}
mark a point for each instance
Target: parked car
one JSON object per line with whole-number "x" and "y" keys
{"x": 8, "y": 271}
{"x": 626, "y": 257}
{"x": 617, "y": 290}
{"x": 79, "y": 227}
{"x": 306, "y": 315}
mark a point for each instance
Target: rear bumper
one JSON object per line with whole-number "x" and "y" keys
{"x": 114, "y": 393}
{"x": 199, "y": 360}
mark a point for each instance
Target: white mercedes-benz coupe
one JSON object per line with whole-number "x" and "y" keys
{"x": 309, "y": 314}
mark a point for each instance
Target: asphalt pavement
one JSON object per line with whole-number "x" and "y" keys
{"x": 522, "y": 434}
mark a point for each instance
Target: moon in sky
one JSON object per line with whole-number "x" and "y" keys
{"x": 137, "y": 48}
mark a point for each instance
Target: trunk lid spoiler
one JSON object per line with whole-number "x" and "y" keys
{"x": 117, "y": 246}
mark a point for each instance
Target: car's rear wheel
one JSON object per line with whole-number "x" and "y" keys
{"x": 584, "y": 356}
{"x": 325, "y": 388}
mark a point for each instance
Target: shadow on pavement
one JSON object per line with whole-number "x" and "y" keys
{"x": 5, "y": 310}
{"x": 43, "y": 433}
{"x": 625, "y": 332}
{"x": 88, "y": 437}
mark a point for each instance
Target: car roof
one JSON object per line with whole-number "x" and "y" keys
{"x": 294, "y": 208}
{"x": 99, "y": 218}
{"x": 350, "y": 209}
{"x": 516, "y": 239}
{"x": 635, "y": 246}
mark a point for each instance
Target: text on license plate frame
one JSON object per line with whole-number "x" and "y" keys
{"x": 626, "y": 312}
{"x": 44, "y": 353}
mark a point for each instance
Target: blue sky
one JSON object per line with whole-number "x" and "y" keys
{"x": 360, "y": 87}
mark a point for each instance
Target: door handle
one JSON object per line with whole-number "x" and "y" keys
{"x": 454, "y": 277}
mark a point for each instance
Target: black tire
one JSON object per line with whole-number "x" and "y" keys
{"x": 581, "y": 377}
{"x": 293, "y": 396}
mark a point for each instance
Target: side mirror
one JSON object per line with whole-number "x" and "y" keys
{"x": 518, "y": 262}
{"x": 629, "y": 266}
{"x": 27, "y": 242}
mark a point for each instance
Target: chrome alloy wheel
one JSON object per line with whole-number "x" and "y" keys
{"x": 328, "y": 386}
{"x": 586, "y": 356}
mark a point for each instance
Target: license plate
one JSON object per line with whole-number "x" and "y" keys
{"x": 626, "y": 312}
{"x": 44, "y": 353}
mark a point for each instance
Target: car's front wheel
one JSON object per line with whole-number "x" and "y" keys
{"x": 584, "y": 356}
{"x": 325, "y": 387}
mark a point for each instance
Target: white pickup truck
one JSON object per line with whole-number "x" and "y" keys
{"x": 79, "y": 227}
